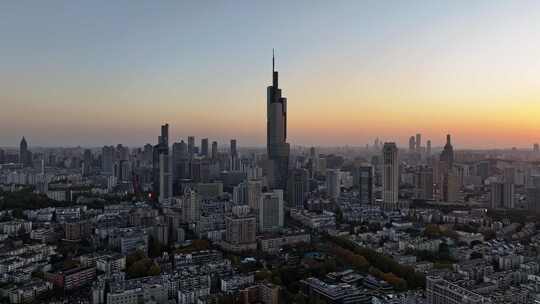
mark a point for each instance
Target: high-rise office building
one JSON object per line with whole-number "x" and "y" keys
{"x": 536, "y": 148}
{"x": 162, "y": 165}
{"x": 122, "y": 170}
{"x": 248, "y": 193}
{"x": 314, "y": 160}
{"x": 165, "y": 177}
{"x": 107, "y": 160}
{"x": 233, "y": 150}
{"x": 191, "y": 145}
{"x": 450, "y": 186}
{"x": 122, "y": 153}
{"x": 148, "y": 151}
{"x": 533, "y": 198}
{"x": 2, "y": 156}
{"x": 447, "y": 155}
{"x": 233, "y": 153}
{"x": 190, "y": 204}
{"x": 418, "y": 142}
{"x": 25, "y": 156}
{"x": 423, "y": 183}
{"x": 240, "y": 230}
{"x": 428, "y": 147}
{"x": 297, "y": 188}
{"x": 88, "y": 160}
{"x": 412, "y": 144}
{"x": 254, "y": 191}
{"x": 180, "y": 162}
{"x": 214, "y": 150}
{"x": 333, "y": 183}
{"x": 204, "y": 147}
{"x": 502, "y": 195}
{"x": 276, "y": 134}
{"x": 390, "y": 174}
{"x": 483, "y": 169}
{"x": 363, "y": 181}
{"x": 271, "y": 211}
{"x": 449, "y": 179}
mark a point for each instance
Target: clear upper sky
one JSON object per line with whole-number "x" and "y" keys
{"x": 104, "y": 72}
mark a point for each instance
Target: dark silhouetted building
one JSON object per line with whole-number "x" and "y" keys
{"x": 204, "y": 147}
{"x": 214, "y": 150}
{"x": 390, "y": 174}
{"x": 447, "y": 155}
{"x": 162, "y": 179}
{"x": 25, "y": 156}
{"x": 363, "y": 180}
{"x": 276, "y": 134}
{"x": 297, "y": 188}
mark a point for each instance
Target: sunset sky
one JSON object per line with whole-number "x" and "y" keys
{"x": 105, "y": 72}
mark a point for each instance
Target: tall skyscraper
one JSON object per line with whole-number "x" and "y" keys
{"x": 254, "y": 192}
{"x": 536, "y": 148}
{"x": 447, "y": 154}
{"x": 180, "y": 162}
{"x": 276, "y": 134}
{"x": 25, "y": 156}
{"x": 107, "y": 160}
{"x": 363, "y": 180}
{"x": 190, "y": 204}
{"x": 390, "y": 173}
{"x": 412, "y": 144}
{"x": 418, "y": 142}
{"x": 450, "y": 186}
{"x": 204, "y": 147}
{"x": 297, "y": 188}
{"x": 164, "y": 138}
{"x": 214, "y": 150}
{"x": 234, "y": 156}
{"x": 122, "y": 153}
{"x": 165, "y": 177}
{"x": 87, "y": 162}
{"x": 162, "y": 179}
{"x": 428, "y": 148}
{"x": 191, "y": 145}
{"x": 502, "y": 195}
{"x": 148, "y": 155}
{"x": 423, "y": 183}
{"x": 533, "y": 198}
{"x": 314, "y": 159}
{"x": 333, "y": 183}
{"x": 449, "y": 179}
{"x": 271, "y": 211}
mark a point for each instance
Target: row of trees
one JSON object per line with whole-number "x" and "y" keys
{"x": 26, "y": 199}
{"x": 380, "y": 265}
{"x": 139, "y": 265}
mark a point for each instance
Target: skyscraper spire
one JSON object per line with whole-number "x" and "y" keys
{"x": 273, "y": 61}
{"x": 276, "y": 137}
{"x": 274, "y": 72}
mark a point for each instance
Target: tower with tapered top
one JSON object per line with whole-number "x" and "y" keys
{"x": 276, "y": 133}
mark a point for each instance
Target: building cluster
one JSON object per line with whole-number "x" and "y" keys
{"x": 188, "y": 223}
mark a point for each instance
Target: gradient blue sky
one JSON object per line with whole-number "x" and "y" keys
{"x": 104, "y": 72}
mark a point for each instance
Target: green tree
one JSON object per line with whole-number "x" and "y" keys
{"x": 154, "y": 270}
{"x": 154, "y": 248}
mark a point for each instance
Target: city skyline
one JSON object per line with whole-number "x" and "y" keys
{"x": 394, "y": 157}
{"x": 80, "y": 85}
